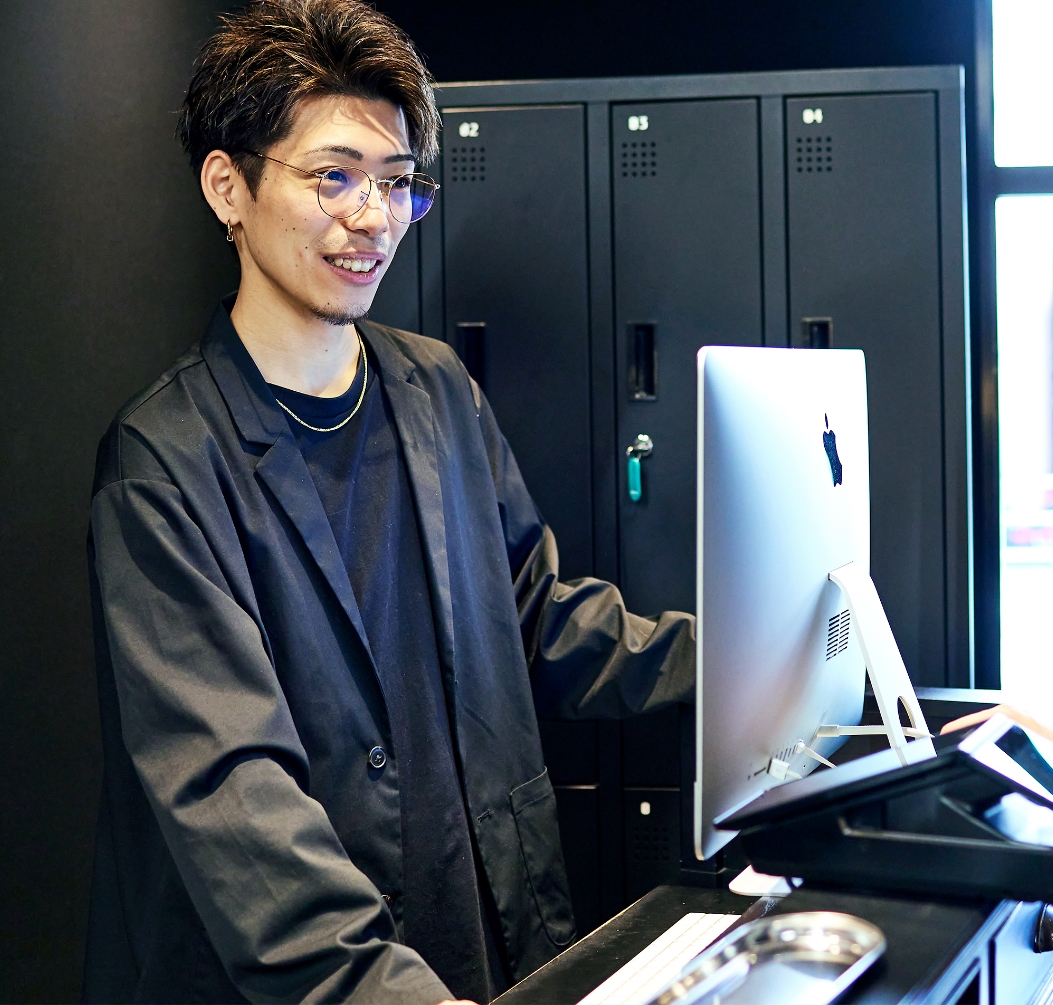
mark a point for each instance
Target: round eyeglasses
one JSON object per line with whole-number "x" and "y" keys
{"x": 344, "y": 191}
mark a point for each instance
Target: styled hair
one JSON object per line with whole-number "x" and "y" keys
{"x": 270, "y": 55}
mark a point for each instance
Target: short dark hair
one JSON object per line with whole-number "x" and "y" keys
{"x": 271, "y": 54}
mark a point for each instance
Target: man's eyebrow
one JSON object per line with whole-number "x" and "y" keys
{"x": 357, "y": 155}
{"x": 346, "y": 151}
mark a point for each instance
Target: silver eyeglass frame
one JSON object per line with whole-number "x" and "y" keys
{"x": 384, "y": 186}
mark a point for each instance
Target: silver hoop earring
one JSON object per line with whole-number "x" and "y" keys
{"x": 230, "y": 232}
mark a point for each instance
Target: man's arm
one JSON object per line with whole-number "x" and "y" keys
{"x": 588, "y": 656}
{"x": 213, "y": 741}
{"x": 975, "y": 718}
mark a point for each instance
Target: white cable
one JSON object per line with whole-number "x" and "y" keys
{"x": 780, "y": 770}
{"x": 804, "y": 749}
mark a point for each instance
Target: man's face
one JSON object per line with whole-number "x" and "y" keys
{"x": 291, "y": 244}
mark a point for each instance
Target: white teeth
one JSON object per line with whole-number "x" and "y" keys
{"x": 354, "y": 264}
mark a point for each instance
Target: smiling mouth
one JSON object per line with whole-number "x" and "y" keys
{"x": 353, "y": 264}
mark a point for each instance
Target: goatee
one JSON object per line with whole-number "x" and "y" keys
{"x": 340, "y": 318}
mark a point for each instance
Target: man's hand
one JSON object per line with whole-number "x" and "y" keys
{"x": 976, "y": 718}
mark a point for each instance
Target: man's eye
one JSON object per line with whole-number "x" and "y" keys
{"x": 402, "y": 182}
{"x": 337, "y": 176}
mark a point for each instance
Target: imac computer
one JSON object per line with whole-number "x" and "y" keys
{"x": 789, "y": 622}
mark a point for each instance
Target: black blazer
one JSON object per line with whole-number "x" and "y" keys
{"x": 246, "y": 846}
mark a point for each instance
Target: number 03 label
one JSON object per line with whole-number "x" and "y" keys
{"x": 638, "y": 123}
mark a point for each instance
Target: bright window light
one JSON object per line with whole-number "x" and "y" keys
{"x": 1024, "y": 248}
{"x": 1023, "y": 82}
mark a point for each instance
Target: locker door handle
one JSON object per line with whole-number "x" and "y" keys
{"x": 634, "y": 452}
{"x": 643, "y": 362}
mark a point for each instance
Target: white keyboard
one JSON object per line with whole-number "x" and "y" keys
{"x": 651, "y": 970}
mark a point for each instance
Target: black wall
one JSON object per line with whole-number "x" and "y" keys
{"x": 110, "y": 265}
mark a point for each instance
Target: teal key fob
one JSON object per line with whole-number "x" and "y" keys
{"x": 640, "y": 449}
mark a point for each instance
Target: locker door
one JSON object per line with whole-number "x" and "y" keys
{"x": 572, "y": 755}
{"x": 397, "y": 302}
{"x": 515, "y": 261}
{"x": 687, "y": 273}
{"x": 864, "y": 251}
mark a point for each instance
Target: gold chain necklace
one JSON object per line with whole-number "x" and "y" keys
{"x": 358, "y": 404}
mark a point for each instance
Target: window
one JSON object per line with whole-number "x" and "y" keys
{"x": 1022, "y": 37}
{"x": 1016, "y": 155}
{"x": 1024, "y": 289}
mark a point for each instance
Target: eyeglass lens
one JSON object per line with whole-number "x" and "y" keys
{"x": 342, "y": 192}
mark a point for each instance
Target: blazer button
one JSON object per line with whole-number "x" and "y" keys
{"x": 377, "y": 757}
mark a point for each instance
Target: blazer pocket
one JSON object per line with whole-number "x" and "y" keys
{"x": 534, "y": 810}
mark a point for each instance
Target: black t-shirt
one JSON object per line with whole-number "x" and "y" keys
{"x": 361, "y": 477}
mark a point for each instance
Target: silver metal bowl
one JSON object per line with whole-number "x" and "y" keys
{"x": 807, "y": 958}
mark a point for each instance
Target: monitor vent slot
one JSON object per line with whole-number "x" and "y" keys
{"x": 815, "y": 154}
{"x": 640, "y": 159}
{"x": 467, "y": 163}
{"x": 838, "y": 629}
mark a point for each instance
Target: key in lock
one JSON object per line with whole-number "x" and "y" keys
{"x": 634, "y": 452}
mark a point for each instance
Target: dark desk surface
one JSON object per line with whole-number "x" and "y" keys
{"x": 575, "y": 972}
{"x": 925, "y": 941}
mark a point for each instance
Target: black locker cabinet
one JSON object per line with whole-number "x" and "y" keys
{"x": 864, "y": 250}
{"x": 514, "y": 222}
{"x": 516, "y": 309}
{"x": 686, "y": 273}
{"x": 590, "y": 236}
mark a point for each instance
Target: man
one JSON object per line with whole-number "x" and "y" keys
{"x": 327, "y": 611}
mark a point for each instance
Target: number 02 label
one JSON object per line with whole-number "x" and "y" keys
{"x": 468, "y": 129}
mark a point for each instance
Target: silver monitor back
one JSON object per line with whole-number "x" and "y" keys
{"x": 783, "y": 499}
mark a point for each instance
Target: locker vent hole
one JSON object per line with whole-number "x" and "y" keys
{"x": 815, "y": 154}
{"x": 650, "y": 843}
{"x": 467, "y": 164}
{"x": 640, "y": 159}
{"x": 837, "y": 631}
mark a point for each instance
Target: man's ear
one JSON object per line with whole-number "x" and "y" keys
{"x": 223, "y": 186}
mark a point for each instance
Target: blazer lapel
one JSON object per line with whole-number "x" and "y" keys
{"x": 415, "y": 421}
{"x": 282, "y": 468}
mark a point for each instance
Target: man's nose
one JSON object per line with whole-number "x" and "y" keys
{"x": 372, "y": 218}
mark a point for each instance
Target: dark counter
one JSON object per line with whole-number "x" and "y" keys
{"x": 943, "y": 951}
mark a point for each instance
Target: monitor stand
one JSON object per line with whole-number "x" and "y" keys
{"x": 888, "y": 675}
